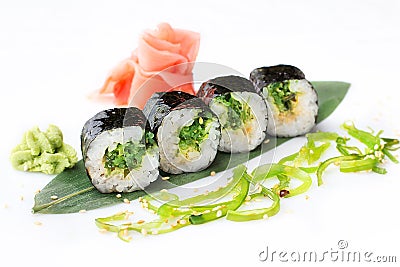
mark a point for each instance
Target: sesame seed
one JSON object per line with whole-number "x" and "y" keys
{"x": 164, "y": 191}
{"x": 154, "y": 232}
{"x": 37, "y": 191}
{"x": 38, "y": 223}
{"x": 144, "y": 231}
{"x": 259, "y": 189}
{"x": 378, "y": 154}
{"x": 248, "y": 198}
{"x": 165, "y": 178}
{"x": 212, "y": 173}
{"x": 182, "y": 221}
{"x": 125, "y": 233}
{"x": 126, "y": 201}
{"x": 265, "y": 216}
{"x": 307, "y": 197}
{"x": 140, "y": 199}
{"x": 216, "y": 208}
{"x": 184, "y": 209}
{"x": 140, "y": 221}
{"x": 54, "y": 197}
{"x": 118, "y": 196}
{"x": 82, "y": 211}
{"x": 195, "y": 190}
{"x": 103, "y": 230}
{"x": 376, "y": 146}
{"x": 219, "y": 213}
{"x": 266, "y": 141}
{"x": 21, "y": 198}
{"x": 152, "y": 211}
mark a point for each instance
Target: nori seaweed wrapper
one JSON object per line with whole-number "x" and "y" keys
{"x": 263, "y": 76}
{"x": 222, "y": 85}
{"x": 110, "y": 119}
{"x": 162, "y": 103}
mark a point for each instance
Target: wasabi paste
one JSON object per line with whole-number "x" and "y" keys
{"x": 43, "y": 152}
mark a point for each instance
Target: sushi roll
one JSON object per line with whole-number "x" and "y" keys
{"x": 119, "y": 154}
{"x": 241, "y": 111}
{"x": 187, "y": 131}
{"x": 292, "y": 100}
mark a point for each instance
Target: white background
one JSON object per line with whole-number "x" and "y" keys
{"x": 54, "y": 53}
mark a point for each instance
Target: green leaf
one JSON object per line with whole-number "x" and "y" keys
{"x": 75, "y": 192}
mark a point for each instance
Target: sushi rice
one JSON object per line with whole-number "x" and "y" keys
{"x": 175, "y": 160}
{"x": 300, "y": 119}
{"x": 251, "y": 133}
{"x": 291, "y": 100}
{"x": 119, "y": 153}
{"x": 137, "y": 179}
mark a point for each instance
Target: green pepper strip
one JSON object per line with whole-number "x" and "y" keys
{"x": 379, "y": 170}
{"x": 322, "y": 167}
{"x": 159, "y": 226}
{"x": 346, "y": 150}
{"x": 188, "y": 206}
{"x": 289, "y": 158}
{"x": 256, "y": 214}
{"x": 309, "y": 152}
{"x": 210, "y": 213}
{"x": 309, "y": 169}
{"x": 390, "y": 145}
{"x": 358, "y": 165}
{"x": 316, "y": 152}
{"x": 322, "y": 136}
{"x": 364, "y": 137}
{"x": 156, "y": 226}
{"x": 267, "y": 171}
{"x": 389, "y": 155}
{"x": 158, "y": 196}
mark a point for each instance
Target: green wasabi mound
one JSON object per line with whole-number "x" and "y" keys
{"x": 43, "y": 152}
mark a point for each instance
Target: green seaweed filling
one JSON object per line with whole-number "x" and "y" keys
{"x": 149, "y": 139}
{"x": 124, "y": 157}
{"x": 282, "y": 95}
{"x": 191, "y": 136}
{"x": 238, "y": 112}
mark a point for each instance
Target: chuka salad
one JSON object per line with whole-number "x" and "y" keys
{"x": 174, "y": 213}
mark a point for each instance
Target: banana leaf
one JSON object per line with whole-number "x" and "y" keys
{"x": 76, "y": 193}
